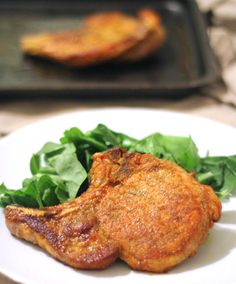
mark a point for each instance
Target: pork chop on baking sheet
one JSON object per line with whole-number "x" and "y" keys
{"x": 103, "y": 37}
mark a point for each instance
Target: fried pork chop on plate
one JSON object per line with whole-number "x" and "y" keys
{"x": 148, "y": 212}
{"x": 103, "y": 37}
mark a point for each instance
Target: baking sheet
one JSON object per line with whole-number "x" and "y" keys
{"x": 184, "y": 63}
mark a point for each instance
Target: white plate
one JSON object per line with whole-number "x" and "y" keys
{"x": 215, "y": 261}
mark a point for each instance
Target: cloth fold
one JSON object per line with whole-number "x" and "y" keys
{"x": 222, "y": 35}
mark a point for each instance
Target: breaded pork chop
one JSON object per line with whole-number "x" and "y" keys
{"x": 146, "y": 211}
{"x": 102, "y": 37}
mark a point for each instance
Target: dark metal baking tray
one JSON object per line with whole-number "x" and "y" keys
{"x": 183, "y": 64}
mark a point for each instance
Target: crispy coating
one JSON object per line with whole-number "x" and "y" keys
{"x": 103, "y": 37}
{"x": 146, "y": 211}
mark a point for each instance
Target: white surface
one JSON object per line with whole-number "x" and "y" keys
{"x": 214, "y": 263}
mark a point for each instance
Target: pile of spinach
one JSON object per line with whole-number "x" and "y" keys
{"x": 60, "y": 171}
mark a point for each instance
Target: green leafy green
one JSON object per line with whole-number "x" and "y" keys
{"x": 60, "y": 170}
{"x": 111, "y": 138}
{"x": 181, "y": 150}
{"x": 57, "y": 178}
{"x": 220, "y": 173}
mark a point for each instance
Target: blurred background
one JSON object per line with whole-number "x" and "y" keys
{"x": 192, "y": 72}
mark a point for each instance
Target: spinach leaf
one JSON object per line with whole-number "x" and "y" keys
{"x": 181, "y": 150}
{"x": 220, "y": 173}
{"x": 20, "y": 196}
{"x": 57, "y": 178}
{"x": 111, "y": 138}
{"x": 81, "y": 140}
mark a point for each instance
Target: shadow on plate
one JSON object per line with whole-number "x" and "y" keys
{"x": 218, "y": 245}
{"x": 119, "y": 268}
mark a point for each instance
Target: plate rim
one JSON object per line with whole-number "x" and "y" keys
{"x": 164, "y": 111}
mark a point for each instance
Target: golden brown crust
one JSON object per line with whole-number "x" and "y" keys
{"x": 158, "y": 218}
{"x": 147, "y": 211}
{"x": 68, "y": 232}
